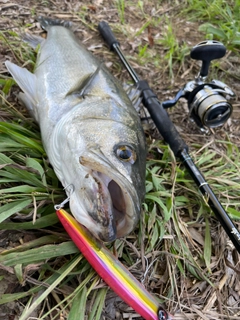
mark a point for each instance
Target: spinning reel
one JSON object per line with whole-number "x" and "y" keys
{"x": 208, "y": 102}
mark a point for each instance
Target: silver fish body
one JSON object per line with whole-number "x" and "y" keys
{"x": 90, "y": 130}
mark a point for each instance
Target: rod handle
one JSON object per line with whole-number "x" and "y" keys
{"x": 107, "y": 34}
{"x": 161, "y": 119}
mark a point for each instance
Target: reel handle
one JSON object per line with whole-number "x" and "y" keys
{"x": 206, "y": 51}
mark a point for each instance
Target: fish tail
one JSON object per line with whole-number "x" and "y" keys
{"x": 46, "y": 22}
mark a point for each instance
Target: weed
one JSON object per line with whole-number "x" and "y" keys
{"x": 223, "y": 16}
{"x": 121, "y": 10}
{"x": 174, "y": 53}
{"x": 140, "y": 4}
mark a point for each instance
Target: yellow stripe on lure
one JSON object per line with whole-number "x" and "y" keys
{"x": 112, "y": 271}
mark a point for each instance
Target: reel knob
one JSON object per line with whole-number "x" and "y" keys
{"x": 206, "y": 51}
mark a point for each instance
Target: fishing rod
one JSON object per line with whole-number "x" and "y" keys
{"x": 208, "y": 107}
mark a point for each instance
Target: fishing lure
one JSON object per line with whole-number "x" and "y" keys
{"x": 111, "y": 270}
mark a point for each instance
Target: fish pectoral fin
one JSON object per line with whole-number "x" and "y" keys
{"x": 26, "y": 81}
{"x": 89, "y": 81}
{"x": 84, "y": 87}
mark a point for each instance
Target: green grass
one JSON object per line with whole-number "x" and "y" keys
{"x": 121, "y": 9}
{"x": 174, "y": 52}
{"x": 176, "y": 231}
{"x": 222, "y": 20}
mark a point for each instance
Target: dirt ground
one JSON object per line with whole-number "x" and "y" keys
{"x": 86, "y": 15}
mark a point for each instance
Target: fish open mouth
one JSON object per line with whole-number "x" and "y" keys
{"x": 118, "y": 201}
{"x": 113, "y": 204}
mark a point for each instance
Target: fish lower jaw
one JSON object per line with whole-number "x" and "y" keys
{"x": 115, "y": 208}
{"x": 104, "y": 207}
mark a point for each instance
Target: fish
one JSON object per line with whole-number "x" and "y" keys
{"x": 90, "y": 130}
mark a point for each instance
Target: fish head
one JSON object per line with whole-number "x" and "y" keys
{"x": 106, "y": 166}
{"x": 108, "y": 198}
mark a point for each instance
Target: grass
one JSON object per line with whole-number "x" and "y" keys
{"x": 221, "y": 18}
{"x": 177, "y": 237}
{"x": 121, "y": 8}
{"x": 174, "y": 52}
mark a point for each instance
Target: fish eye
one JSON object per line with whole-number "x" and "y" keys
{"x": 126, "y": 154}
